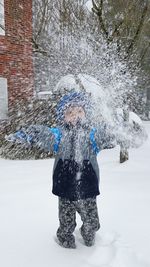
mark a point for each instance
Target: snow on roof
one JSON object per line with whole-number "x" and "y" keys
{"x": 44, "y": 94}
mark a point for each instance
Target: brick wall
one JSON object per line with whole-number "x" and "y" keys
{"x": 16, "y": 50}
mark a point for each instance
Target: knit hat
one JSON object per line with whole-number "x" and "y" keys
{"x": 74, "y": 98}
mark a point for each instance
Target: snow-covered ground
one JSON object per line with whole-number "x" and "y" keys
{"x": 29, "y": 214}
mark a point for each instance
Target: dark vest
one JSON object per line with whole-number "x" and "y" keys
{"x": 74, "y": 180}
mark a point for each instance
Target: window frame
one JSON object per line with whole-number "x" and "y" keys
{"x": 2, "y": 18}
{"x": 3, "y": 98}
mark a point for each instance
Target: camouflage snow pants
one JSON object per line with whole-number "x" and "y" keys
{"x": 87, "y": 209}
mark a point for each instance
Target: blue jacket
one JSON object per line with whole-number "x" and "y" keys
{"x": 75, "y": 171}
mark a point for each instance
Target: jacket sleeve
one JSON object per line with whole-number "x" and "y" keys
{"x": 38, "y": 136}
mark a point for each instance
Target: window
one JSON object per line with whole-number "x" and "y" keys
{"x": 2, "y": 19}
{"x": 3, "y": 99}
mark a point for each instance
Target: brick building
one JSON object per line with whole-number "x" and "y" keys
{"x": 16, "y": 65}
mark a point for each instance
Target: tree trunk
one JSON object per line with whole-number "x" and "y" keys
{"x": 124, "y": 154}
{"x": 148, "y": 103}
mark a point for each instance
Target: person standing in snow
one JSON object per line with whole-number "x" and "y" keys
{"x": 75, "y": 143}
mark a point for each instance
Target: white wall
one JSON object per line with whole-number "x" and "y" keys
{"x": 2, "y": 20}
{"x": 3, "y": 99}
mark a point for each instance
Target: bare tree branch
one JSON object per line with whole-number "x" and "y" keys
{"x": 138, "y": 31}
{"x": 42, "y": 19}
{"x": 116, "y": 31}
{"x": 98, "y": 10}
{"x": 144, "y": 52}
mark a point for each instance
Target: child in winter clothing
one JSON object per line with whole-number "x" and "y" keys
{"x": 76, "y": 144}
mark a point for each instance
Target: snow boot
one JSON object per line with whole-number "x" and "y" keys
{"x": 67, "y": 244}
{"x": 89, "y": 240}
{"x": 66, "y": 241}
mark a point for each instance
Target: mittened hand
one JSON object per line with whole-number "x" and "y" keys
{"x": 18, "y": 137}
{"x": 10, "y": 138}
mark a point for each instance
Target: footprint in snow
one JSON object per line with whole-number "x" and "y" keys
{"x": 110, "y": 251}
{"x": 105, "y": 251}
